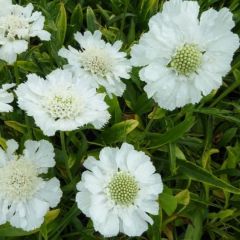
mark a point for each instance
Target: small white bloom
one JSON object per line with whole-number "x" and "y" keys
{"x": 118, "y": 191}
{"x": 17, "y": 25}
{"x": 6, "y": 98}
{"x": 184, "y": 57}
{"x": 102, "y": 63}
{"x": 62, "y": 102}
{"x": 25, "y": 197}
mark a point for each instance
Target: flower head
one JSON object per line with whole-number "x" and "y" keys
{"x": 6, "y": 98}
{"x": 17, "y": 25}
{"x": 183, "y": 56}
{"x": 119, "y": 190}
{"x": 25, "y": 197}
{"x": 102, "y": 63}
{"x": 62, "y": 102}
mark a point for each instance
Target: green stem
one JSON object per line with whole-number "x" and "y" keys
{"x": 151, "y": 120}
{"x": 228, "y": 90}
{"x": 62, "y": 138}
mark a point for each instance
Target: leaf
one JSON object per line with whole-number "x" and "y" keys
{"x": 77, "y": 18}
{"x": 183, "y": 197}
{"x": 61, "y": 24}
{"x": 28, "y": 66}
{"x": 157, "y": 140}
{"x": 201, "y": 175}
{"x": 119, "y": 131}
{"x": 91, "y": 20}
{"x": 6, "y": 230}
{"x": 51, "y": 215}
{"x": 195, "y": 230}
{"x": 221, "y": 214}
{"x": 17, "y": 126}
{"x": 168, "y": 203}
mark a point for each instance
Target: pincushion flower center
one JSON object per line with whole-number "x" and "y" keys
{"x": 96, "y": 62}
{"x": 187, "y": 59}
{"x": 14, "y": 27}
{"x": 63, "y": 107}
{"x": 123, "y": 188}
{"x": 18, "y": 180}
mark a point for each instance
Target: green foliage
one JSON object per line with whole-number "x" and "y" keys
{"x": 196, "y": 149}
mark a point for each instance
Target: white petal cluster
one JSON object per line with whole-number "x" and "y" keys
{"x": 62, "y": 101}
{"x": 184, "y": 57}
{"x": 25, "y": 197}
{"x": 119, "y": 191}
{"x": 101, "y": 63}
{"x": 6, "y": 98}
{"x": 17, "y": 25}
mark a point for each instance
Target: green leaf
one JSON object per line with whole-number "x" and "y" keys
{"x": 77, "y": 18}
{"x": 92, "y": 24}
{"x": 61, "y": 24}
{"x": 157, "y": 140}
{"x": 168, "y": 203}
{"x": 183, "y": 197}
{"x": 17, "y": 126}
{"x": 28, "y": 66}
{"x": 195, "y": 230}
{"x": 6, "y": 230}
{"x": 201, "y": 175}
{"x": 119, "y": 131}
{"x": 221, "y": 214}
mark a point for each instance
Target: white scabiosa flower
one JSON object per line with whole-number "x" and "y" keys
{"x": 17, "y": 25}
{"x": 25, "y": 197}
{"x": 185, "y": 57}
{"x": 6, "y": 98}
{"x": 62, "y": 102}
{"x": 102, "y": 63}
{"x": 118, "y": 191}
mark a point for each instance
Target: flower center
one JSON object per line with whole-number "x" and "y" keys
{"x": 123, "y": 188}
{"x": 187, "y": 59}
{"x": 63, "y": 107}
{"x": 18, "y": 180}
{"x": 96, "y": 61}
{"x": 14, "y": 27}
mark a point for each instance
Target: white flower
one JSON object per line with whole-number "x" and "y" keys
{"x": 17, "y": 25}
{"x": 185, "y": 57}
{"x": 102, "y": 63}
{"x": 6, "y": 97}
{"x": 118, "y": 191}
{"x": 25, "y": 197}
{"x": 62, "y": 102}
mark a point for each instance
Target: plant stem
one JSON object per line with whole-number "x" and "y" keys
{"x": 62, "y": 138}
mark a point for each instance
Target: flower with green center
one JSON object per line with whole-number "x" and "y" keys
{"x": 63, "y": 101}
{"x": 187, "y": 59}
{"x": 17, "y": 25}
{"x": 102, "y": 63}
{"x": 25, "y": 196}
{"x": 185, "y": 54}
{"x": 123, "y": 188}
{"x": 119, "y": 191}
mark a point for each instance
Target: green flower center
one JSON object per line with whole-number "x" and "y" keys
{"x": 123, "y": 188}
{"x": 62, "y": 107}
{"x": 187, "y": 59}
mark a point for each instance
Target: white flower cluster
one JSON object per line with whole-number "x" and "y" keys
{"x": 119, "y": 190}
{"x": 183, "y": 57}
{"x": 25, "y": 197}
{"x": 17, "y": 25}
